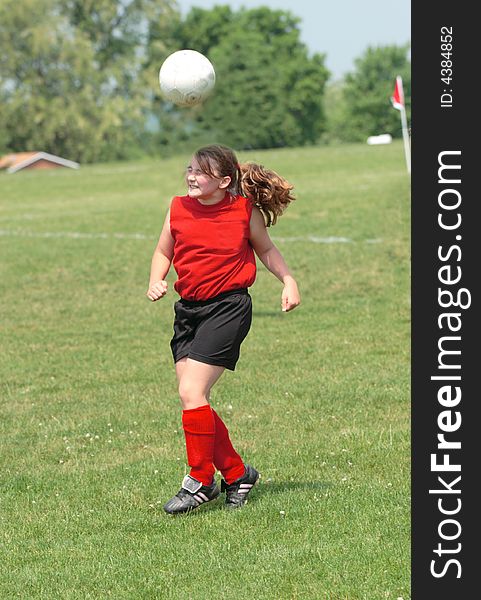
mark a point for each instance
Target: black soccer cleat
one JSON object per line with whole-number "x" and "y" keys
{"x": 236, "y": 493}
{"x": 191, "y": 495}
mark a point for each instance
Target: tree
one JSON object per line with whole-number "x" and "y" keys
{"x": 70, "y": 73}
{"x": 204, "y": 29}
{"x": 79, "y": 78}
{"x": 268, "y": 90}
{"x": 366, "y": 108}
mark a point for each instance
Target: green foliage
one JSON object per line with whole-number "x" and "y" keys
{"x": 204, "y": 29}
{"x": 71, "y": 78}
{"x": 268, "y": 91}
{"x": 361, "y": 106}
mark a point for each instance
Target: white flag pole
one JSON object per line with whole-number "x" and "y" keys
{"x": 407, "y": 143}
{"x": 398, "y": 102}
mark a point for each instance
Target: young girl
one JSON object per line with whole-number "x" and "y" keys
{"x": 211, "y": 235}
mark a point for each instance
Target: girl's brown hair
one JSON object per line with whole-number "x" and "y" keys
{"x": 267, "y": 190}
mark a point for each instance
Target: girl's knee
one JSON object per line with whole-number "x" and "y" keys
{"x": 191, "y": 395}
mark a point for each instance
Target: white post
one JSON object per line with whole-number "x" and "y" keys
{"x": 407, "y": 144}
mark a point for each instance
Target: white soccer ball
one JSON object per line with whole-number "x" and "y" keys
{"x": 186, "y": 78}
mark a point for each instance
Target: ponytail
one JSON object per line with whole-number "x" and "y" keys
{"x": 267, "y": 190}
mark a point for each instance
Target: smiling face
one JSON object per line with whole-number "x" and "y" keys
{"x": 204, "y": 187}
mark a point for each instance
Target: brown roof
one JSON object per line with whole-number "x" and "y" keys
{"x": 10, "y": 160}
{"x": 20, "y": 160}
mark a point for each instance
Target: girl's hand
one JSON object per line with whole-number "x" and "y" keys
{"x": 290, "y": 296}
{"x": 157, "y": 290}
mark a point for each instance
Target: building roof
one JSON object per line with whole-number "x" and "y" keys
{"x": 19, "y": 160}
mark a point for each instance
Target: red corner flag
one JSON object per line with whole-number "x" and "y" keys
{"x": 397, "y": 98}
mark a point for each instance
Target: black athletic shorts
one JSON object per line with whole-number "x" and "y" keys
{"x": 211, "y": 331}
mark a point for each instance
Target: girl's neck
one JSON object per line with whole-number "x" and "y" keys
{"x": 214, "y": 199}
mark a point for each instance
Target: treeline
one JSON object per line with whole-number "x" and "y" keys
{"x": 79, "y": 78}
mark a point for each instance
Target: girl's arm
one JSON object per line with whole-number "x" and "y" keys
{"x": 161, "y": 261}
{"x": 273, "y": 260}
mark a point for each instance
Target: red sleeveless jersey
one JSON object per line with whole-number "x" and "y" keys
{"x": 212, "y": 253}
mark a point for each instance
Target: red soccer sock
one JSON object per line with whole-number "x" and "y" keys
{"x": 226, "y": 459}
{"x": 199, "y": 430}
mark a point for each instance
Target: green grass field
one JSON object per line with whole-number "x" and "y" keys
{"x": 91, "y": 439}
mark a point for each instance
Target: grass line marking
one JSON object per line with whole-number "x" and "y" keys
{"x": 141, "y": 236}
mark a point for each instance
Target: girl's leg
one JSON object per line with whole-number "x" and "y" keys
{"x": 225, "y": 459}
{"x": 195, "y": 382}
{"x": 179, "y": 368}
{"x": 196, "y": 379}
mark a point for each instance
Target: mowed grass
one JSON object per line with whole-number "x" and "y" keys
{"x": 90, "y": 430}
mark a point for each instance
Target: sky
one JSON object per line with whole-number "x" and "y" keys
{"x": 340, "y": 29}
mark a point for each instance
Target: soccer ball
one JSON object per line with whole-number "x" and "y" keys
{"x": 186, "y": 78}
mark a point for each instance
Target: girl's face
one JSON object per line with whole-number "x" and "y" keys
{"x": 202, "y": 186}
